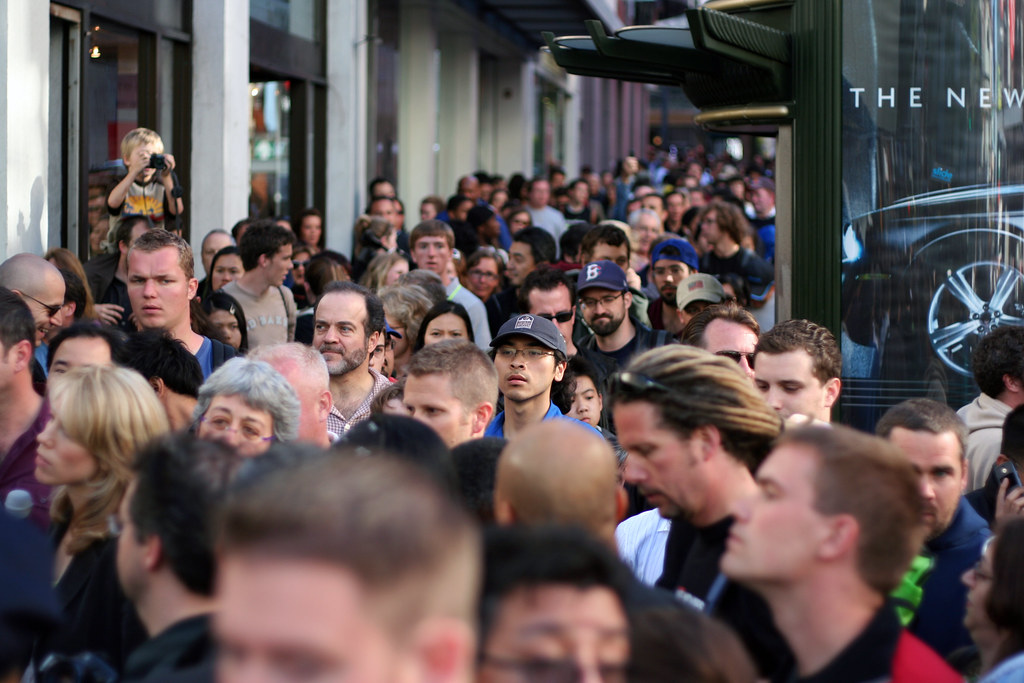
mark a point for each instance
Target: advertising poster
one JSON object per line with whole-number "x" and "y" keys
{"x": 933, "y": 195}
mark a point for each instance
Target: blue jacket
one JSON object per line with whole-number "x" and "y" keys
{"x": 497, "y": 425}
{"x": 940, "y": 618}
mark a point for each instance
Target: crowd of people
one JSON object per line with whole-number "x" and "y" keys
{"x": 552, "y": 432}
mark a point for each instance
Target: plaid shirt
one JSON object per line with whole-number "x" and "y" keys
{"x": 339, "y": 424}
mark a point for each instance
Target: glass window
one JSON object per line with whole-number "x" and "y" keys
{"x": 269, "y": 110}
{"x": 302, "y": 18}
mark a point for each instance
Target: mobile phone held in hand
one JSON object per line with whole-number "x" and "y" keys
{"x": 1006, "y": 470}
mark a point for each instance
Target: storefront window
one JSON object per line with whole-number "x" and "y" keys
{"x": 302, "y": 18}
{"x": 270, "y": 106}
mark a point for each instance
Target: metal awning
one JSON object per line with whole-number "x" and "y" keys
{"x": 531, "y": 17}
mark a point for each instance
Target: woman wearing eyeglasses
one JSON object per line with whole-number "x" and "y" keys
{"x": 995, "y": 605}
{"x": 99, "y": 417}
{"x": 248, "y": 405}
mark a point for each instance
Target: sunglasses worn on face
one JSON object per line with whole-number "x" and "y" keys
{"x": 561, "y": 316}
{"x": 737, "y": 356}
{"x": 52, "y": 310}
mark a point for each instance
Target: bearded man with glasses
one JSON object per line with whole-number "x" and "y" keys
{"x": 604, "y": 299}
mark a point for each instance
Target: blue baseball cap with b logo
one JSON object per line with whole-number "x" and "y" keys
{"x": 603, "y": 274}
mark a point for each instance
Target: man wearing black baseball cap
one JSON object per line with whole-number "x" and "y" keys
{"x": 529, "y": 355}
{"x": 604, "y": 298}
{"x": 672, "y": 261}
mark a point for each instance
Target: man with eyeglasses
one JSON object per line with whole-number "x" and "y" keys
{"x": 529, "y": 355}
{"x": 695, "y": 429}
{"x": 672, "y": 261}
{"x": 553, "y": 608}
{"x": 727, "y": 330}
{"x": 604, "y": 298}
{"x": 40, "y": 285}
{"x": 798, "y": 369}
{"x": 547, "y": 292}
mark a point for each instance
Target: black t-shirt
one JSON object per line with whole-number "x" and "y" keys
{"x": 117, "y": 293}
{"x": 621, "y": 356}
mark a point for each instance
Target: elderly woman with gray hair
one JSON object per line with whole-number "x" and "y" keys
{"x": 248, "y": 405}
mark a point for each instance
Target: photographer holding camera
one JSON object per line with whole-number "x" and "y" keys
{"x": 150, "y": 187}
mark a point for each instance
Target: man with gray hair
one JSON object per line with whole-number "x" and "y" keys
{"x": 40, "y": 285}
{"x": 306, "y": 370}
{"x": 248, "y": 405}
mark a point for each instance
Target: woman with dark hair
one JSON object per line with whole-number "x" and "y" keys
{"x": 994, "y": 613}
{"x": 225, "y": 266}
{"x": 446, "y": 320}
{"x": 309, "y": 230}
{"x": 226, "y": 316}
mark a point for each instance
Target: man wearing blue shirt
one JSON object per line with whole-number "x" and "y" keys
{"x": 529, "y": 355}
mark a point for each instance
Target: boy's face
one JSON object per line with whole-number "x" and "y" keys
{"x": 142, "y": 153}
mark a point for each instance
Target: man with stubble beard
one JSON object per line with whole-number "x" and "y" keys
{"x": 345, "y": 321}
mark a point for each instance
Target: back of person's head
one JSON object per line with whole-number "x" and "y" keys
{"x": 871, "y": 480}
{"x": 518, "y": 558}
{"x": 179, "y": 480}
{"x": 1004, "y": 604}
{"x": 541, "y": 243}
{"x": 694, "y": 388}
{"x": 432, "y": 228}
{"x": 468, "y": 368}
{"x": 803, "y": 335}
{"x": 307, "y": 361}
{"x": 410, "y": 546}
{"x": 154, "y": 240}
{"x": 406, "y": 439}
{"x": 1012, "y": 445}
{"x": 672, "y": 644}
{"x": 377, "y": 270}
{"x": 729, "y": 311}
{"x": 604, "y": 233}
{"x": 476, "y": 464}
{"x": 429, "y": 283}
{"x": 321, "y": 272}
{"x": 123, "y": 233}
{"x": 570, "y": 241}
{"x": 923, "y": 415}
{"x": 261, "y": 387}
{"x": 999, "y": 353}
{"x": 406, "y": 305}
{"x": 114, "y": 339}
{"x": 75, "y": 293}
{"x": 155, "y": 354}
{"x": 16, "y": 322}
{"x": 263, "y": 238}
{"x": 543, "y": 279}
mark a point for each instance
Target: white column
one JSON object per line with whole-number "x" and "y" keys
{"x": 417, "y": 104}
{"x": 459, "y": 119}
{"x": 346, "y": 119}
{"x": 219, "y": 195}
{"x": 516, "y": 117}
{"x": 24, "y": 117}
{"x": 573, "y": 122}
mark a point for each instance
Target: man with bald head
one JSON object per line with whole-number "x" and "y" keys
{"x": 558, "y": 472}
{"x": 40, "y": 285}
{"x": 306, "y": 370}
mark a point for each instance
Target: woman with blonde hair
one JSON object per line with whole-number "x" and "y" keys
{"x": 99, "y": 417}
{"x": 384, "y": 270}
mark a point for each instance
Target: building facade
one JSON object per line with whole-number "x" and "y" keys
{"x": 271, "y": 106}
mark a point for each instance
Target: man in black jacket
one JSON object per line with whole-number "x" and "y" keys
{"x": 695, "y": 429}
{"x": 165, "y": 560}
{"x": 604, "y": 297}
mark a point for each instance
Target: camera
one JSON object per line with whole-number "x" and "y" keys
{"x": 157, "y": 161}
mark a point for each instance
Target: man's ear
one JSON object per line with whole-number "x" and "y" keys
{"x": 158, "y": 386}
{"x": 324, "y": 405}
{"x": 841, "y": 537}
{"x": 20, "y": 355}
{"x": 372, "y": 342}
{"x": 445, "y": 648}
{"x": 480, "y": 417}
{"x": 152, "y": 553}
{"x": 560, "y": 370}
{"x": 832, "y": 388}
{"x": 193, "y": 288}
